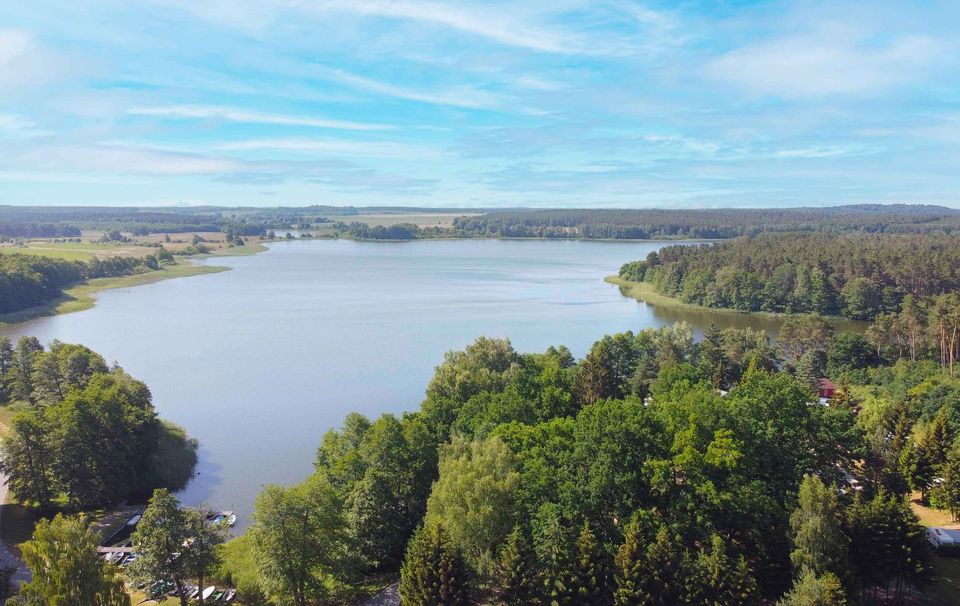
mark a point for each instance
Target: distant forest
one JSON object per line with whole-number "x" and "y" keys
{"x": 712, "y": 224}
{"x": 856, "y": 275}
{"x": 28, "y": 280}
{"x": 64, "y": 221}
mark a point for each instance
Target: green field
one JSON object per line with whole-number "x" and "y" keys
{"x": 77, "y": 251}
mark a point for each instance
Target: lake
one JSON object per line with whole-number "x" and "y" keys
{"x": 258, "y": 362}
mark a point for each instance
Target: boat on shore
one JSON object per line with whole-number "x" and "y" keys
{"x": 222, "y": 517}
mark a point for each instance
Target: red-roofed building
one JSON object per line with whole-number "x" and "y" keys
{"x": 826, "y": 388}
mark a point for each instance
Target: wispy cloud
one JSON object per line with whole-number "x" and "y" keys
{"x": 493, "y": 22}
{"x": 25, "y": 63}
{"x": 384, "y": 149}
{"x": 15, "y": 126}
{"x": 229, "y": 114}
{"x": 467, "y": 97}
{"x": 828, "y": 62}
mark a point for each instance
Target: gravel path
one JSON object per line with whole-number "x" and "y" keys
{"x": 390, "y": 596}
{"x": 6, "y": 558}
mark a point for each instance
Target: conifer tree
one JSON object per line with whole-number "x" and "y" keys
{"x": 938, "y": 438}
{"x": 813, "y": 590}
{"x": 588, "y": 581}
{"x": 819, "y": 543}
{"x": 517, "y": 571}
{"x": 433, "y": 572}
{"x": 650, "y": 570}
{"x": 724, "y": 581}
{"x": 553, "y": 554}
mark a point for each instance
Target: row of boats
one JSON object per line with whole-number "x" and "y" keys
{"x": 210, "y": 594}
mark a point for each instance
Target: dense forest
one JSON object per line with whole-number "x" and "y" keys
{"x": 65, "y": 221}
{"x": 83, "y": 434}
{"x": 656, "y": 470}
{"x": 707, "y": 223}
{"x": 854, "y": 275}
{"x": 30, "y": 280}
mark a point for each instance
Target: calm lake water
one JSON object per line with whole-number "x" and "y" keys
{"x": 257, "y": 363}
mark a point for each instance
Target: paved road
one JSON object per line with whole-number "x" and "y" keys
{"x": 6, "y": 558}
{"x": 390, "y": 596}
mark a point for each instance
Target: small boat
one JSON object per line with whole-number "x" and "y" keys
{"x": 217, "y": 596}
{"x": 208, "y": 592}
{"x": 134, "y": 520}
{"x": 229, "y": 594}
{"x": 192, "y": 593}
{"x": 232, "y": 520}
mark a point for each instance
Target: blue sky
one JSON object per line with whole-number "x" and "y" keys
{"x": 603, "y": 103}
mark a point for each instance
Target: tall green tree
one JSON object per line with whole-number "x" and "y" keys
{"x": 517, "y": 571}
{"x": 947, "y": 494}
{"x": 202, "y": 549}
{"x": 66, "y": 569}
{"x": 588, "y": 582}
{"x": 888, "y": 546}
{"x": 811, "y": 589}
{"x": 722, "y": 580}
{"x": 433, "y": 573}
{"x": 819, "y": 543}
{"x": 299, "y": 536}
{"x": 650, "y": 569}
{"x": 159, "y": 539}
{"x": 21, "y": 372}
{"x": 595, "y": 381}
{"x": 28, "y": 459}
{"x": 474, "y": 497}
{"x": 554, "y": 556}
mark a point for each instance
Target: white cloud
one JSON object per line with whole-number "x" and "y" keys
{"x": 333, "y": 146}
{"x": 238, "y": 115}
{"x": 829, "y": 62}
{"x": 819, "y": 152}
{"x": 117, "y": 159}
{"x": 467, "y": 97}
{"x": 491, "y": 22}
{"x": 15, "y": 126}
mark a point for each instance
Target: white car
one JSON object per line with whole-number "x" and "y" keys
{"x": 944, "y": 539}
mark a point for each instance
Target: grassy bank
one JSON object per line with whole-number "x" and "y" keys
{"x": 644, "y": 291}
{"x": 83, "y": 296}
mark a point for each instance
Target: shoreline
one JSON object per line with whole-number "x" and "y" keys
{"x": 83, "y": 296}
{"x": 646, "y": 293}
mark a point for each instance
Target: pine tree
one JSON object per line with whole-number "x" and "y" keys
{"x": 594, "y": 379}
{"x": 587, "y": 583}
{"x": 433, "y": 572}
{"x": 947, "y": 494}
{"x": 517, "y": 571}
{"x": 650, "y": 572}
{"x": 553, "y": 554}
{"x": 813, "y": 590}
{"x": 723, "y": 580}
{"x": 810, "y": 367}
{"x": 939, "y": 438}
{"x": 819, "y": 543}
{"x": 917, "y": 467}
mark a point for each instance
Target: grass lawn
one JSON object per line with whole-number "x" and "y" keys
{"x": 946, "y": 590}
{"x": 77, "y": 251}
{"x": 930, "y": 516}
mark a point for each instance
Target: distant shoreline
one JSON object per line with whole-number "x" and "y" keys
{"x": 82, "y": 296}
